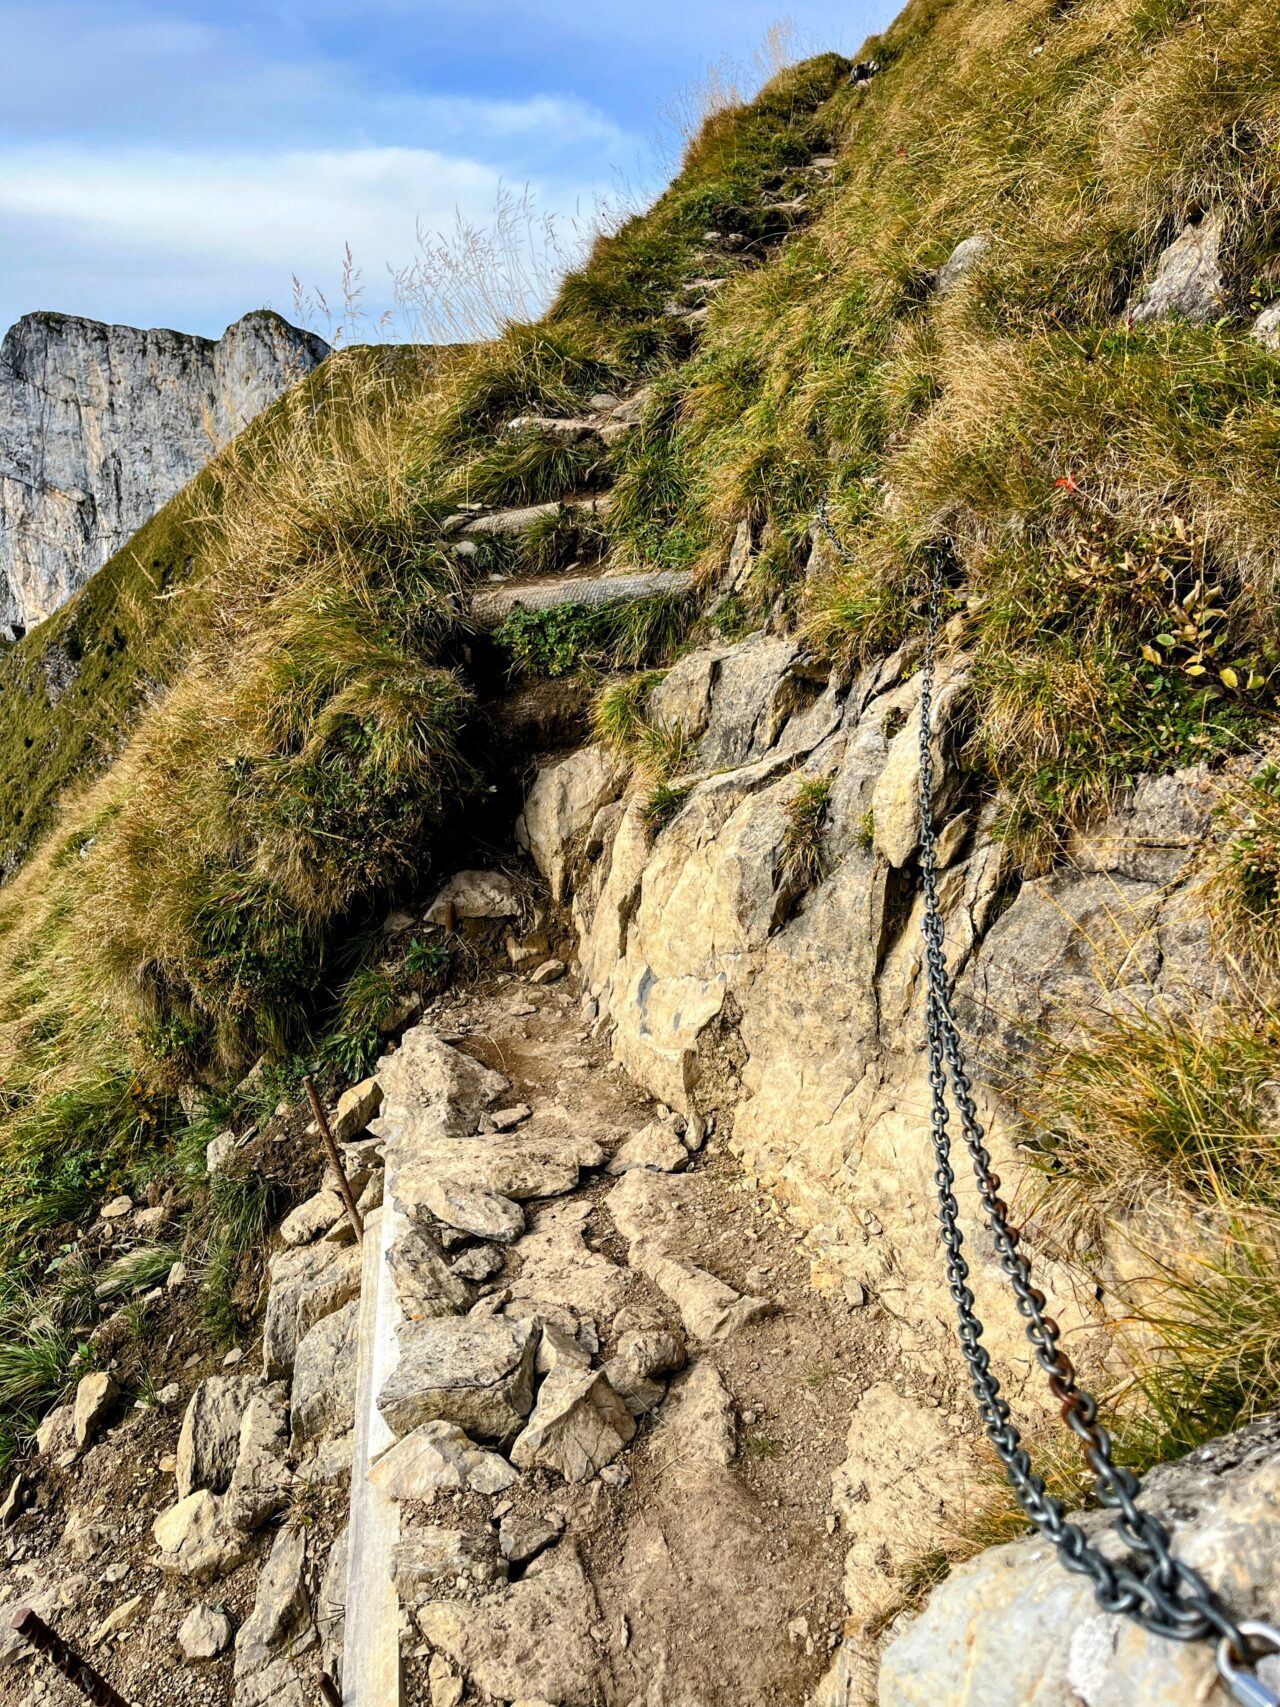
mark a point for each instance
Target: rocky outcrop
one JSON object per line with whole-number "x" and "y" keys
{"x": 1013, "y": 1626}
{"x": 101, "y": 425}
{"x": 1187, "y": 283}
{"x": 795, "y": 1010}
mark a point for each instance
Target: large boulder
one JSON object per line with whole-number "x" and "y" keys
{"x": 1012, "y": 1626}
{"x": 439, "y": 1455}
{"x": 209, "y": 1441}
{"x": 279, "y": 1630}
{"x": 531, "y": 1641}
{"x": 425, "y": 1285}
{"x": 432, "y": 1090}
{"x": 475, "y": 1372}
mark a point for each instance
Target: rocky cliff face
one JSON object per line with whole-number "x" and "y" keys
{"x": 792, "y": 1005}
{"x": 101, "y": 425}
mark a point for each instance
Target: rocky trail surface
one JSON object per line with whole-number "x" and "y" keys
{"x": 618, "y": 1405}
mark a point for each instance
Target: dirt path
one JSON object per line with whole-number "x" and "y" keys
{"x": 703, "y": 1567}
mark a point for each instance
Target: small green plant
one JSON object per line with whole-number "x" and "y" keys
{"x": 426, "y": 959}
{"x": 243, "y": 1207}
{"x": 661, "y": 805}
{"x": 805, "y": 813}
{"x": 866, "y": 836}
{"x": 564, "y": 639}
{"x": 1246, "y": 897}
{"x": 763, "y": 1446}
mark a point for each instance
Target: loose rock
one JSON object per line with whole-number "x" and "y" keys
{"x": 439, "y": 1455}
{"x": 195, "y": 1539}
{"x": 578, "y": 1425}
{"x": 475, "y": 1373}
{"x": 210, "y": 1437}
{"x": 95, "y": 1395}
{"x": 522, "y": 1538}
{"x": 204, "y": 1633}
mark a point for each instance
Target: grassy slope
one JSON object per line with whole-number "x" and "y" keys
{"x": 1088, "y": 488}
{"x": 72, "y": 688}
{"x": 203, "y": 897}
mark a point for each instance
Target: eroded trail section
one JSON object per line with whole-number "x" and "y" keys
{"x": 618, "y": 1404}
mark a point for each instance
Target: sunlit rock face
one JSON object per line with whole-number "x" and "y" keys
{"x": 101, "y": 425}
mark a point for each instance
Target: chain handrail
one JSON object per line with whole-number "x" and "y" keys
{"x": 1156, "y": 1589}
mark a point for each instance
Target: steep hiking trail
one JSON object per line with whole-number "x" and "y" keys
{"x": 638, "y": 1337}
{"x": 641, "y": 1388}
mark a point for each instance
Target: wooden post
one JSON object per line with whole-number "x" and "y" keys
{"x": 335, "y": 1160}
{"x": 91, "y": 1684}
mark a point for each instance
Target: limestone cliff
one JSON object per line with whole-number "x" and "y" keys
{"x": 101, "y": 425}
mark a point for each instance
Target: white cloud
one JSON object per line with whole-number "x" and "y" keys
{"x": 161, "y": 233}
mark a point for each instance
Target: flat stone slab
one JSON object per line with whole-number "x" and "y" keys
{"x": 439, "y": 1455}
{"x": 490, "y": 609}
{"x": 475, "y": 1372}
{"x": 518, "y": 1165}
{"x": 469, "y": 1208}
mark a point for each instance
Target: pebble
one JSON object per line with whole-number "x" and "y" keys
{"x": 504, "y": 1119}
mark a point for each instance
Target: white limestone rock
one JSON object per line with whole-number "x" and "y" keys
{"x": 439, "y": 1455}
{"x": 101, "y": 425}
{"x": 475, "y": 1372}
{"x": 204, "y": 1633}
{"x": 578, "y": 1425}
{"x": 195, "y": 1539}
{"x": 95, "y": 1395}
{"x": 210, "y": 1437}
{"x": 1187, "y": 283}
{"x": 1011, "y": 1626}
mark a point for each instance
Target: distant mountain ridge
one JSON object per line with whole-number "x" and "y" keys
{"x": 101, "y": 425}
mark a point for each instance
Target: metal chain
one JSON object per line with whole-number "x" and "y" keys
{"x": 824, "y": 522}
{"x": 1151, "y": 1586}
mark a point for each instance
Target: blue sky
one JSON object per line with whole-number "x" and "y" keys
{"x": 176, "y": 164}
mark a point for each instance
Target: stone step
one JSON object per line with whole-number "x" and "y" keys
{"x": 551, "y": 426}
{"x": 490, "y": 609}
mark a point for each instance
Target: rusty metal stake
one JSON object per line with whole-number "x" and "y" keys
{"x": 335, "y": 1160}
{"x": 329, "y": 1691}
{"x": 91, "y": 1684}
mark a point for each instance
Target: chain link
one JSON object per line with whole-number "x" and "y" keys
{"x": 1150, "y": 1585}
{"x": 837, "y": 544}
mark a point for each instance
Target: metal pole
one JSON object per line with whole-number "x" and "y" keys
{"x": 91, "y": 1684}
{"x": 335, "y": 1160}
